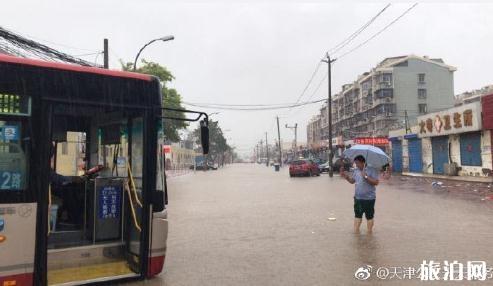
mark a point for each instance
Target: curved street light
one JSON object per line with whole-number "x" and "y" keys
{"x": 164, "y": 39}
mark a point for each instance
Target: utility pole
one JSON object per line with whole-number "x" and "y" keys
{"x": 279, "y": 142}
{"x": 106, "y": 55}
{"x": 329, "y": 106}
{"x": 406, "y": 122}
{"x": 267, "y": 150}
{"x": 257, "y": 155}
{"x": 262, "y": 152}
{"x": 296, "y": 138}
{"x": 295, "y": 128}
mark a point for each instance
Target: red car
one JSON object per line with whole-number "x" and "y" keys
{"x": 303, "y": 167}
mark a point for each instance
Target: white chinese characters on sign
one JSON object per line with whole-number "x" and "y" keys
{"x": 430, "y": 271}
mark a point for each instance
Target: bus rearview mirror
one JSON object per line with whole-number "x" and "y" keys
{"x": 204, "y": 139}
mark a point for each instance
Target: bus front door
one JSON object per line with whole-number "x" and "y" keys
{"x": 96, "y": 227}
{"x": 134, "y": 193}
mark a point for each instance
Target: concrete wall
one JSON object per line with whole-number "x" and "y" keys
{"x": 454, "y": 141}
{"x": 439, "y": 83}
{"x": 181, "y": 157}
{"x": 405, "y": 156}
{"x": 427, "y": 155}
{"x": 486, "y": 150}
{"x": 67, "y": 164}
{"x": 405, "y": 152}
{"x": 485, "y": 155}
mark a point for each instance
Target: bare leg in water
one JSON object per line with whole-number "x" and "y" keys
{"x": 369, "y": 225}
{"x": 357, "y": 224}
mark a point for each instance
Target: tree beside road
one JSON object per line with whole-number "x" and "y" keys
{"x": 218, "y": 145}
{"x": 171, "y": 97}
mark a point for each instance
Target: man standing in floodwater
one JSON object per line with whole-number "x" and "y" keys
{"x": 365, "y": 180}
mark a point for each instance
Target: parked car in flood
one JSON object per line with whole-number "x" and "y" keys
{"x": 304, "y": 167}
{"x": 324, "y": 167}
{"x": 318, "y": 161}
{"x": 342, "y": 162}
{"x": 202, "y": 167}
{"x": 337, "y": 163}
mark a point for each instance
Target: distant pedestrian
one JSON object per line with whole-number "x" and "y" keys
{"x": 365, "y": 180}
{"x": 386, "y": 172}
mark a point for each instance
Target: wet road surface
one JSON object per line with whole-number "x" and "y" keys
{"x": 249, "y": 225}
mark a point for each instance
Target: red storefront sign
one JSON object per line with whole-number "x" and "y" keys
{"x": 166, "y": 149}
{"x": 372, "y": 141}
{"x": 487, "y": 104}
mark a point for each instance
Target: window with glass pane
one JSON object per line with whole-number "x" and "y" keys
{"x": 422, "y": 108}
{"x": 13, "y": 159}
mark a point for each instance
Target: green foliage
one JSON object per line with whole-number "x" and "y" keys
{"x": 171, "y": 97}
{"x": 218, "y": 145}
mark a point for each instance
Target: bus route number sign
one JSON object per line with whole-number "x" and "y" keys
{"x": 10, "y": 180}
{"x": 109, "y": 202}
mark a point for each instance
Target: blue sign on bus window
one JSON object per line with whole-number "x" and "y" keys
{"x": 109, "y": 202}
{"x": 10, "y": 180}
{"x": 10, "y": 132}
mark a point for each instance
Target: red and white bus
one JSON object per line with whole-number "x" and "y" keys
{"x": 82, "y": 192}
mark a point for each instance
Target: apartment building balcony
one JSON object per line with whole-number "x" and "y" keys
{"x": 384, "y": 92}
{"x": 383, "y": 85}
{"x": 383, "y": 110}
{"x": 382, "y": 100}
{"x": 366, "y": 92}
{"x": 385, "y": 115}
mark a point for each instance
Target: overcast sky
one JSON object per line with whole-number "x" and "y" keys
{"x": 261, "y": 53}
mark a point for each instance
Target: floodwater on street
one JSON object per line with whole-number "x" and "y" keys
{"x": 248, "y": 225}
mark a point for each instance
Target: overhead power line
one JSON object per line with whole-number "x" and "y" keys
{"x": 309, "y": 81}
{"x": 324, "y": 78}
{"x": 379, "y": 32}
{"x": 251, "y": 107}
{"x": 337, "y": 48}
{"x": 240, "y": 105}
{"x": 357, "y": 32}
{"x": 20, "y": 46}
{"x": 55, "y": 43}
{"x": 89, "y": 54}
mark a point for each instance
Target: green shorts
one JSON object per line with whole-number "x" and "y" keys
{"x": 366, "y": 207}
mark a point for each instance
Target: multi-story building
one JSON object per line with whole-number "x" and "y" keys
{"x": 70, "y": 154}
{"x": 313, "y": 131}
{"x": 180, "y": 155}
{"x": 324, "y": 122}
{"x": 473, "y": 96}
{"x": 396, "y": 90}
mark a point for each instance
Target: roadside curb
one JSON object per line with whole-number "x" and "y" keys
{"x": 451, "y": 178}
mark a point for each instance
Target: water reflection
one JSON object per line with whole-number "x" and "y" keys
{"x": 367, "y": 248}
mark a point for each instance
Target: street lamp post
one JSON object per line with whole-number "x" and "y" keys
{"x": 164, "y": 39}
